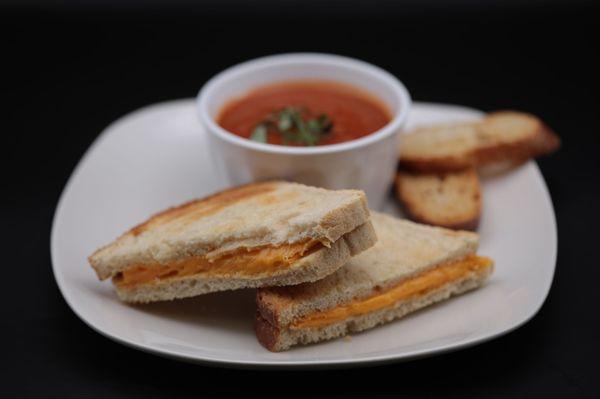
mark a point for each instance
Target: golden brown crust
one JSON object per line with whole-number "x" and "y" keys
{"x": 265, "y": 307}
{"x": 266, "y": 333}
{"x": 271, "y": 300}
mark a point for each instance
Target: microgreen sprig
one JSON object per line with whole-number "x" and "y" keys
{"x": 293, "y": 125}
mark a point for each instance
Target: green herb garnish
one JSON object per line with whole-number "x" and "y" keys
{"x": 259, "y": 134}
{"x": 295, "y": 126}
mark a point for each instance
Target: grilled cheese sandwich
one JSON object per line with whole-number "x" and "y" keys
{"x": 411, "y": 266}
{"x": 263, "y": 234}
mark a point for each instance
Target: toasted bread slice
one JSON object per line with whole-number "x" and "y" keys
{"x": 411, "y": 266}
{"x": 451, "y": 200}
{"x": 505, "y": 137}
{"x": 272, "y": 233}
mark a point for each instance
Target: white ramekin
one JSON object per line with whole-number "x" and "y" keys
{"x": 367, "y": 163}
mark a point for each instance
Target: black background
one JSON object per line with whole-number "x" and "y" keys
{"x": 70, "y": 68}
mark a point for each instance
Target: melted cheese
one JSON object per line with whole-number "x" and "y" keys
{"x": 244, "y": 262}
{"x": 411, "y": 288}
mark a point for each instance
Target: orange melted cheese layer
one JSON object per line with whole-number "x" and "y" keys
{"x": 411, "y": 288}
{"x": 245, "y": 262}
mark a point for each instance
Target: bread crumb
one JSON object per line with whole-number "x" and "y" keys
{"x": 348, "y": 338}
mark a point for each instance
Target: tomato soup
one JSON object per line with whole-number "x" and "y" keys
{"x": 304, "y": 113}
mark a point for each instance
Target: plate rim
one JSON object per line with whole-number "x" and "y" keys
{"x": 288, "y": 364}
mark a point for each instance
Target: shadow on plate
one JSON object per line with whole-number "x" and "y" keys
{"x": 231, "y": 309}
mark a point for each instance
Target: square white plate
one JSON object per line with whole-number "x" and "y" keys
{"x": 157, "y": 157}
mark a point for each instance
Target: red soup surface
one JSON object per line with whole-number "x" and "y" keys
{"x": 304, "y": 113}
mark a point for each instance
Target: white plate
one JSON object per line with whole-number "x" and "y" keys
{"x": 157, "y": 157}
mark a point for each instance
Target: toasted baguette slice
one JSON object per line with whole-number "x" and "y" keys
{"x": 272, "y": 233}
{"x": 451, "y": 200}
{"x": 411, "y": 266}
{"x": 505, "y": 137}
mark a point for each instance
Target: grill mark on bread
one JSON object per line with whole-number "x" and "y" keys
{"x": 195, "y": 209}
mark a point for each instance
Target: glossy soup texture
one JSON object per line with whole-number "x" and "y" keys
{"x": 353, "y": 113}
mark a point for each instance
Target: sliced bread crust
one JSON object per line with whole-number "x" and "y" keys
{"x": 451, "y": 200}
{"x": 503, "y": 137}
{"x": 246, "y": 217}
{"x": 312, "y": 267}
{"x": 278, "y": 339}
